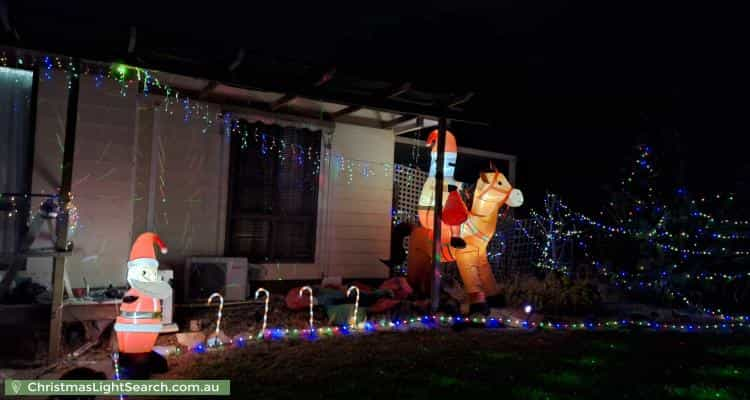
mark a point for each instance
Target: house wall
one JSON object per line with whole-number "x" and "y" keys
{"x": 354, "y": 218}
{"x": 182, "y": 182}
{"x": 360, "y": 218}
{"x": 52, "y": 103}
{"x": 102, "y": 176}
{"x": 138, "y": 167}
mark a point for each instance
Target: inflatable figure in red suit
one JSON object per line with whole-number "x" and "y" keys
{"x": 139, "y": 322}
{"x": 454, "y": 209}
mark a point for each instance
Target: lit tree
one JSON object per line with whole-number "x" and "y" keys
{"x": 678, "y": 244}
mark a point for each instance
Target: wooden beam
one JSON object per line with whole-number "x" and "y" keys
{"x": 412, "y": 101}
{"x": 399, "y": 120}
{"x": 58, "y": 269}
{"x": 393, "y": 92}
{"x": 257, "y": 82}
{"x": 399, "y": 90}
{"x": 282, "y": 101}
{"x": 241, "y": 111}
{"x": 285, "y": 99}
{"x": 237, "y": 61}
{"x": 460, "y": 100}
{"x": 345, "y": 111}
{"x": 206, "y": 91}
{"x": 415, "y": 126}
{"x": 377, "y": 102}
{"x": 56, "y": 314}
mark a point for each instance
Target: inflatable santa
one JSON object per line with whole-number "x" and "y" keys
{"x": 454, "y": 210}
{"x": 139, "y": 322}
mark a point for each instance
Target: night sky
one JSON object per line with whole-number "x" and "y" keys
{"x": 569, "y": 87}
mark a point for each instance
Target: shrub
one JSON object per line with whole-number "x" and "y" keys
{"x": 552, "y": 294}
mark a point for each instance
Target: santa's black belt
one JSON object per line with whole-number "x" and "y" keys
{"x": 140, "y": 315}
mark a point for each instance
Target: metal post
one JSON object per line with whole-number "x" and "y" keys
{"x": 437, "y": 222}
{"x": 61, "y": 244}
{"x": 512, "y": 170}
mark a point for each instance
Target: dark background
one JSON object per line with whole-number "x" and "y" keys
{"x": 569, "y": 87}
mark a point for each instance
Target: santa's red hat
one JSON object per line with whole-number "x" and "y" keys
{"x": 143, "y": 247}
{"x": 450, "y": 142}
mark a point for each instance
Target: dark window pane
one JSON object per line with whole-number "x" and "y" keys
{"x": 295, "y": 239}
{"x": 274, "y": 193}
{"x": 250, "y": 237}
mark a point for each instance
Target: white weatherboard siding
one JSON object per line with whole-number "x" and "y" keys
{"x": 117, "y": 138}
{"x": 103, "y": 182}
{"x": 102, "y": 175}
{"x": 184, "y": 192}
{"x": 363, "y": 205}
{"x": 353, "y": 218}
{"x": 48, "y": 148}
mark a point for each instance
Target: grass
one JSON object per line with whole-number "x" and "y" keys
{"x": 484, "y": 364}
{"x": 732, "y": 352}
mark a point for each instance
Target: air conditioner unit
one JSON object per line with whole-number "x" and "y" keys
{"x": 206, "y": 275}
{"x": 167, "y": 305}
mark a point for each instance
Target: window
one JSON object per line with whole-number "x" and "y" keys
{"x": 273, "y": 198}
{"x": 16, "y": 153}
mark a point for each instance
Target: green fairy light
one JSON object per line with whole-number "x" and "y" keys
{"x": 121, "y": 70}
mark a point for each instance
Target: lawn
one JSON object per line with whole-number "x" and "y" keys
{"x": 485, "y": 364}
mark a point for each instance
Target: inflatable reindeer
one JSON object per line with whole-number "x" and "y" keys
{"x": 492, "y": 191}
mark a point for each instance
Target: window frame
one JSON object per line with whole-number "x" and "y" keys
{"x": 273, "y": 219}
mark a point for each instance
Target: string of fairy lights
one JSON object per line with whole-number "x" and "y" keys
{"x": 16, "y": 204}
{"x": 559, "y": 224}
{"x": 130, "y": 79}
{"x": 663, "y": 281}
{"x": 427, "y": 322}
{"x": 630, "y": 281}
{"x": 548, "y": 262}
{"x": 689, "y": 249}
{"x": 291, "y": 154}
{"x": 659, "y": 230}
{"x": 436, "y": 322}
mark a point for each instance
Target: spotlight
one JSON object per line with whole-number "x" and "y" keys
{"x": 528, "y": 309}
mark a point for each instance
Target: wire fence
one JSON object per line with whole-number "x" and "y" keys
{"x": 514, "y": 248}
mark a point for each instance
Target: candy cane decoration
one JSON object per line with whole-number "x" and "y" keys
{"x": 356, "y": 304}
{"x": 265, "y": 313}
{"x": 309, "y": 289}
{"x": 221, "y": 307}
